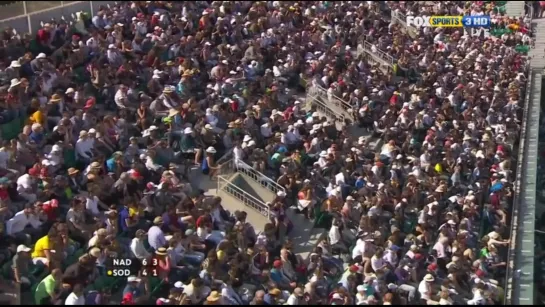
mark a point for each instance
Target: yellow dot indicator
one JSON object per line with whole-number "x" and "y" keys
{"x": 109, "y": 272}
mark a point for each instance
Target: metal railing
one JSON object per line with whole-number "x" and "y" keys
{"x": 515, "y": 212}
{"x": 228, "y": 187}
{"x": 225, "y": 165}
{"x": 29, "y": 16}
{"x": 320, "y": 104}
{"x": 268, "y": 183}
{"x": 400, "y": 19}
{"x": 377, "y": 57}
{"x": 332, "y": 99}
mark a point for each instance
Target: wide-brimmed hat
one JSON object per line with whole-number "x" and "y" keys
{"x": 173, "y": 112}
{"x": 213, "y": 297}
{"x": 55, "y": 98}
{"x": 161, "y": 251}
{"x": 211, "y": 150}
{"x": 14, "y": 82}
{"x": 429, "y": 278}
{"x": 158, "y": 220}
{"x": 95, "y": 164}
{"x": 72, "y": 171}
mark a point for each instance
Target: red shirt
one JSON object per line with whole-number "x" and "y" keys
{"x": 43, "y": 36}
{"x": 50, "y": 211}
{"x": 4, "y": 195}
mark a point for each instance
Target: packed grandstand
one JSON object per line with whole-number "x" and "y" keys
{"x": 111, "y": 123}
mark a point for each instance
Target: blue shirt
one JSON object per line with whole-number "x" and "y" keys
{"x": 276, "y": 276}
{"x": 123, "y": 216}
{"x": 36, "y": 137}
{"x": 110, "y": 165}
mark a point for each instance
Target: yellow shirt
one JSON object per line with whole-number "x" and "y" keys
{"x": 37, "y": 118}
{"x": 134, "y": 212}
{"x": 41, "y": 245}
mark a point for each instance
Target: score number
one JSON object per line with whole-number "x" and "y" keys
{"x": 149, "y": 268}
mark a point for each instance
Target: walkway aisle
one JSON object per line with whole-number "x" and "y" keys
{"x": 514, "y": 8}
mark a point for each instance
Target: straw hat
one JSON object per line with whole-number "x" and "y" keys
{"x": 55, "y": 98}
{"x": 72, "y": 171}
{"x": 170, "y": 63}
{"x": 173, "y": 112}
{"x": 429, "y": 278}
{"x": 83, "y": 133}
{"x": 275, "y": 291}
{"x": 168, "y": 89}
{"x": 213, "y": 297}
{"x": 158, "y": 220}
{"x": 14, "y": 82}
{"x": 161, "y": 251}
{"x": 95, "y": 164}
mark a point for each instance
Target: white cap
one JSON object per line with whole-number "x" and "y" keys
{"x": 111, "y": 46}
{"x": 41, "y": 56}
{"x": 178, "y": 285}
{"x": 133, "y": 279}
{"x": 188, "y": 130}
{"x": 23, "y": 248}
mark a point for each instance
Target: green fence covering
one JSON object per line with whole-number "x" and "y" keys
{"x": 522, "y": 49}
{"x": 12, "y": 129}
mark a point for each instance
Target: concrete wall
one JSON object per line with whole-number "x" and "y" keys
{"x": 14, "y": 14}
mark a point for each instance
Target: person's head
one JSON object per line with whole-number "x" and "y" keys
{"x": 23, "y": 250}
{"x": 140, "y": 234}
{"x": 29, "y": 209}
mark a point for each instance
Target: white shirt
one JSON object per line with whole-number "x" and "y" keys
{"x": 423, "y": 290}
{"x": 92, "y": 205}
{"x": 266, "y": 131}
{"x": 83, "y": 147}
{"x": 24, "y": 183}
{"x": 152, "y": 166}
{"x": 358, "y": 249}
{"x": 156, "y": 237}
{"x": 119, "y": 98}
{"x": 73, "y": 299}
{"x": 334, "y": 235}
{"x": 238, "y": 153}
{"x": 390, "y": 257}
{"x": 376, "y": 263}
{"x": 20, "y": 220}
{"x": 138, "y": 249}
{"x": 292, "y": 300}
{"x": 440, "y": 249}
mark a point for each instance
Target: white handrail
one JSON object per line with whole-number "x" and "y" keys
{"x": 368, "y": 47}
{"x": 315, "y": 101}
{"x": 259, "y": 177}
{"x": 225, "y": 185}
{"x": 332, "y": 98}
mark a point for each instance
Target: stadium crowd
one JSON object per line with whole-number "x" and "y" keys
{"x": 111, "y": 113}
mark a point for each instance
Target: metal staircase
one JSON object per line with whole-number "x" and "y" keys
{"x": 384, "y": 61}
{"x": 400, "y": 19}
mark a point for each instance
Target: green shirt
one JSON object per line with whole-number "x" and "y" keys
{"x": 45, "y": 289}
